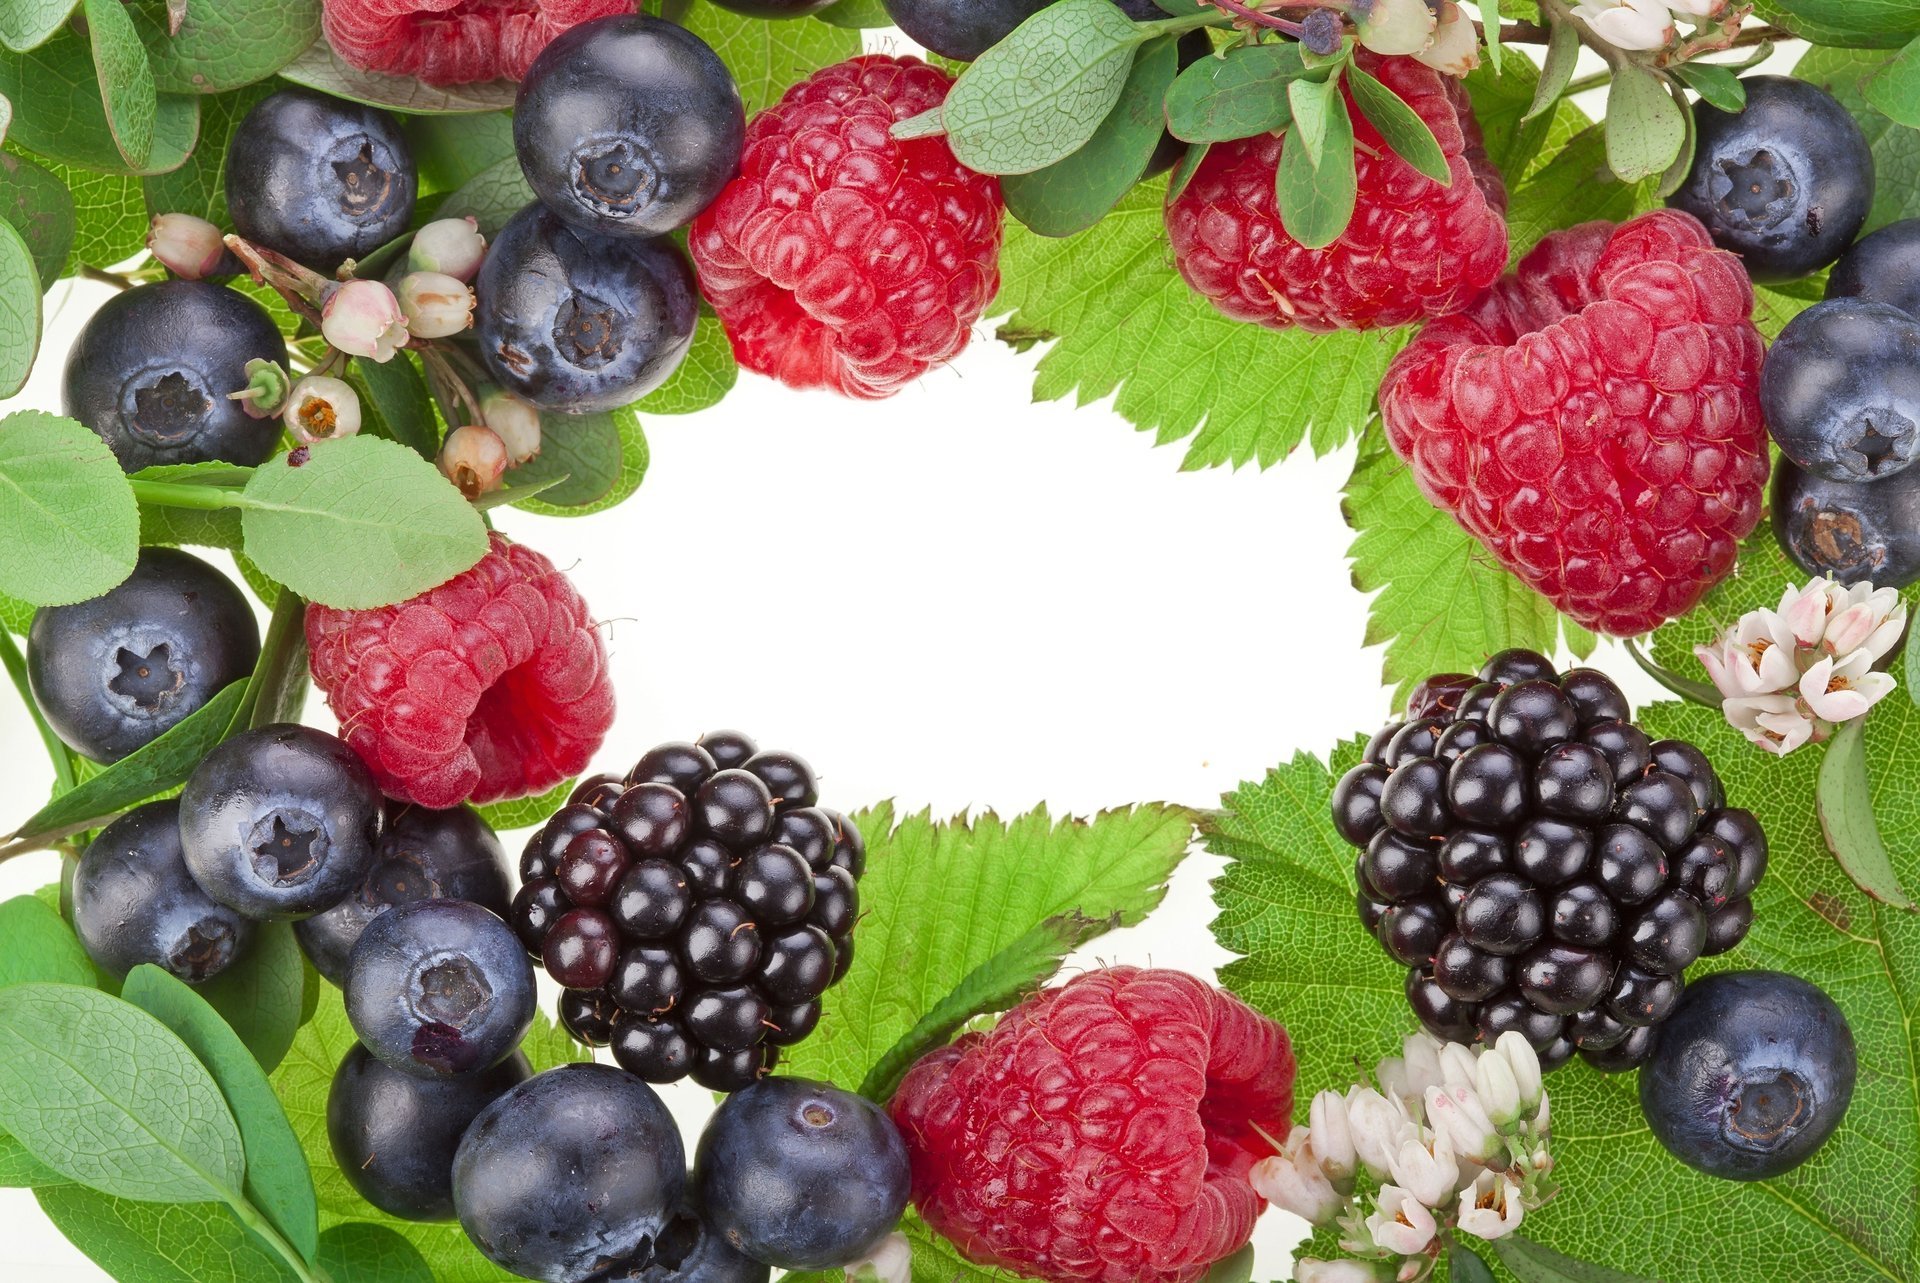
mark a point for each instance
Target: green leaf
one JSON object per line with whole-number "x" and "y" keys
{"x": 161, "y": 1242}
{"x": 1465, "y": 1266}
{"x": 106, "y": 1095}
{"x": 602, "y": 456}
{"x": 1237, "y": 1268}
{"x": 362, "y": 523}
{"x": 1556, "y": 69}
{"x": 69, "y": 528}
{"x": 1645, "y": 126}
{"x": 259, "y": 996}
{"x": 1123, "y": 319}
{"x": 525, "y": 812}
{"x": 1845, "y": 73}
{"x": 199, "y": 187}
{"x": 450, "y": 150}
{"x": 1188, "y": 166}
{"x": 1073, "y": 194}
{"x": 1574, "y": 186}
{"x": 952, "y": 912}
{"x": 40, "y": 946}
{"x": 857, "y": 14}
{"x": 1844, "y": 798}
{"x": 25, "y": 24}
{"x": 490, "y": 197}
{"x": 1400, "y": 126}
{"x": 1316, "y": 182}
{"x": 21, "y": 1170}
{"x": 706, "y": 375}
{"x": 1490, "y": 24}
{"x": 277, "y": 1180}
{"x": 109, "y": 216}
{"x": 126, "y": 79}
{"x": 1443, "y": 603}
{"x": 319, "y": 67}
{"x": 60, "y": 112}
{"x": 1238, "y": 95}
{"x": 1880, "y": 24}
{"x": 40, "y": 208}
{"x": 1038, "y": 95}
{"x": 766, "y": 58}
{"x": 367, "y": 1253}
{"x": 19, "y": 312}
{"x": 225, "y": 45}
{"x": 1717, "y": 86}
{"x": 1532, "y": 1263}
{"x": 395, "y": 403}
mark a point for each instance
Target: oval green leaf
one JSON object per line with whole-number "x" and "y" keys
{"x": 69, "y": 527}
{"x": 161, "y": 1242}
{"x": 395, "y": 402}
{"x": 60, "y": 114}
{"x": 108, "y": 1096}
{"x": 40, "y": 208}
{"x": 1844, "y": 24}
{"x": 40, "y": 945}
{"x": 1845, "y": 800}
{"x": 1556, "y": 70}
{"x": 362, "y": 523}
{"x": 1717, "y": 86}
{"x": 857, "y": 14}
{"x": 1239, "y": 95}
{"x": 602, "y": 458}
{"x": 1896, "y": 89}
{"x": 26, "y": 24}
{"x": 199, "y": 187}
{"x": 1646, "y": 128}
{"x": 706, "y": 375}
{"x": 319, "y": 67}
{"x": 1532, "y": 1263}
{"x": 19, "y": 314}
{"x": 369, "y": 1253}
{"x": 490, "y": 197}
{"x": 1466, "y": 1266}
{"x": 224, "y": 45}
{"x": 126, "y": 80}
{"x": 260, "y": 995}
{"x": 1400, "y": 126}
{"x": 1317, "y": 197}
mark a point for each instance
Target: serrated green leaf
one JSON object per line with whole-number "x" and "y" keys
{"x": 277, "y": 1180}
{"x": 1038, "y": 95}
{"x": 26, "y": 24}
{"x": 1574, "y": 186}
{"x": 40, "y": 208}
{"x": 858, "y": 14}
{"x": 1125, "y": 321}
{"x": 1532, "y": 1263}
{"x": 199, "y": 187}
{"x": 60, "y": 113}
{"x": 706, "y": 375}
{"x": 1717, "y": 86}
{"x": 767, "y": 58}
{"x": 940, "y": 900}
{"x": 40, "y": 946}
{"x": 107, "y": 1096}
{"x": 1316, "y": 181}
{"x": 602, "y": 456}
{"x": 525, "y": 812}
{"x": 259, "y": 996}
{"x": 1237, "y": 95}
{"x": 363, "y": 522}
{"x": 319, "y": 67}
{"x": 1400, "y": 126}
{"x": 367, "y": 1253}
{"x": 1645, "y": 126}
{"x": 1844, "y": 73}
{"x": 69, "y": 528}
{"x": 395, "y": 403}
{"x": 1879, "y": 24}
{"x": 1844, "y": 798}
{"x": 490, "y": 197}
{"x": 1073, "y": 194}
{"x": 19, "y": 312}
{"x": 225, "y": 45}
{"x": 126, "y": 79}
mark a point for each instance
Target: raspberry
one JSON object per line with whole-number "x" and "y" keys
{"x": 1414, "y": 249}
{"x": 453, "y": 42}
{"x": 841, "y": 257}
{"x": 1594, "y": 420}
{"x": 1102, "y": 1131}
{"x": 492, "y": 685}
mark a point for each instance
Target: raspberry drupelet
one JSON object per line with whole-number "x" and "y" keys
{"x": 453, "y": 42}
{"x": 842, "y": 257}
{"x": 493, "y": 685}
{"x": 1102, "y": 1132}
{"x": 1594, "y": 419}
{"x": 1413, "y": 250}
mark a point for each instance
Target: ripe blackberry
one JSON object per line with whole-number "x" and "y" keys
{"x": 695, "y": 911}
{"x": 1556, "y": 875}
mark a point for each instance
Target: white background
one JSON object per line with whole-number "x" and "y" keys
{"x": 1011, "y": 604}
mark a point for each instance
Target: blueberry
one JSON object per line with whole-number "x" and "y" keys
{"x": 318, "y": 179}
{"x": 152, "y": 369}
{"x": 1752, "y": 1074}
{"x": 1786, "y": 182}
{"x": 394, "y": 1135}
{"x": 1841, "y": 390}
{"x": 439, "y": 987}
{"x": 960, "y": 29}
{"x": 688, "y": 1250}
{"x": 1855, "y": 533}
{"x": 801, "y": 1175}
{"x": 423, "y": 855}
{"x": 134, "y": 902}
{"x": 1883, "y": 266}
{"x": 1356, "y": 803}
{"x": 628, "y": 126}
{"x": 281, "y": 821}
{"x": 569, "y": 1173}
{"x": 575, "y": 322}
{"x": 112, "y": 674}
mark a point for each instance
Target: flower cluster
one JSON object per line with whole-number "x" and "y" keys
{"x": 1455, "y": 1138}
{"x": 1788, "y": 675}
{"x": 1641, "y": 24}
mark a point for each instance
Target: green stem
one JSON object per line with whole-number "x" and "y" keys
{"x": 1174, "y": 26}
{"x": 181, "y": 494}
{"x": 16, "y": 664}
{"x": 283, "y": 661}
{"x": 251, "y": 1217}
{"x": 1686, "y": 688}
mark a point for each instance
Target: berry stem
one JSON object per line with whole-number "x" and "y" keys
{"x": 180, "y": 494}
{"x": 17, "y": 669}
{"x": 250, "y": 1216}
{"x": 446, "y": 374}
{"x": 301, "y": 287}
{"x": 1686, "y": 688}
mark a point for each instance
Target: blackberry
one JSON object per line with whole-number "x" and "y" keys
{"x": 695, "y": 910}
{"x": 1540, "y": 864}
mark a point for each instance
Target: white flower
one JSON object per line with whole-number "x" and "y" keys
{"x": 1776, "y": 723}
{"x": 451, "y": 245}
{"x": 1456, "y": 1067}
{"x": 1837, "y": 619}
{"x": 1839, "y": 691}
{"x": 1427, "y": 1169}
{"x": 474, "y": 459}
{"x": 1422, "y": 1053}
{"x": 1754, "y": 657}
{"x": 1308, "y": 1270}
{"x": 1628, "y": 24}
{"x": 1490, "y": 1207}
{"x": 363, "y": 318}
{"x": 1455, "y": 48}
{"x": 1400, "y": 1223}
{"x": 1497, "y": 1088}
{"x": 1393, "y": 26}
{"x": 320, "y": 408}
{"x": 1458, "y": 1118}
{"x": 1525, "y": 1063}
{"x": 889, "y": 1261}
{"x": 1332, "y": 1138}
{"x": 436, "y": 305}
{"x": 1292, "y": 1181}
{"x": 516, "y": 422}
{"x": 189, "y": 247}
{"x": 1378, "y": 1126}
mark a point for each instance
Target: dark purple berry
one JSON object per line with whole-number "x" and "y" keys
{"x": 774, "y": 885}
{"x": 1398, "y": 868}
{"x": 588, "y": 1015}
{"x": 1510, "y": 667}
{"x": 1705, "y": 870}
{"x": 652, "y": 900}
{"x": 1662, "y": 805}
{"x": 1502, "y": 914}
{"x": 1414, "y": 799}
{"x": 1459, "y": 738}
{"x": 1356, "y": 803}
{"x": 728, "y": 749}
{"x": 1415, "y": 739}
{"x": 581, "y": 949}
{"x": 729, "y": 1019}
{"x": 808, "y": 830}
{"x": 721, "y": 944}
{"x": 1677, "y": 757}
{"x": 1467, "y": 973}
{"x": 656, "y": 1051}
{"x": 1532, "y": 717}
{"x": 1666, "y": 936}
{"x": 591, "y": 867}
{"x": 734, "y": 807}
{"x": 836, "y": 902}
{"x": 648, "y": 981}
{"x": 1510, "y": 1011}
{"x": 1630, "y": 866}
{"x": 1412, "y": 931}
{"x": 1561, "y": 978}
{"x": 1552, "y": 852}
{"x": 1574, "y": 782}
{"x": 787, "y": 777}
{"x": 1581, "y": 914}
{"x": 709, "y": 869}
{"x": 1442, "y": 1015}
{"x": 652, "y": 819}
{"x": 1640, "y": 997}
{"x": 1625, "y": 746}
{"x": 685, "y": 766}
{"x": 1748, "y": 841}
{"x": 1595, "y": 1030}
{"x": 1487, "y": 786}
{"x": 1727, "y": 926}
{"x": 1467, "y": 855}
{"x": 1628, "y": 1053}
{"x": 1594, "y": 697}
{"x": 536, "y": 908}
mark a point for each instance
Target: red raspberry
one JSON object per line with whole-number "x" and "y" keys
{"x": 492, "y": 685}
{"x": 1102, "y": 1131}
{"x": 1414, "y": 249}
{"x": 1595, "y": 418}
{"x": 843, "y": 258}
{"x": 453, "y": 42}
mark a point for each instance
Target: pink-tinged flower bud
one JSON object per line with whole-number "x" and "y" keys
{"x": 453, "y": 246}
{"x": 268, "y": 385}
{"x": 517, "y": 423}
{"x": 1628, "y": 24}
{"x": 1294, "y": 1183}
{"x": 363, "y": 318}
{"x": 191, "y": 248}
{"x": 1455, "y": 50}
{"x": 322, "y": 408}
{"x": 1393, "y": 26}
{"x": 436, "y": 305}
{"x": 474, "y": 459}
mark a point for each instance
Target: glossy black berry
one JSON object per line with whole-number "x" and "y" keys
{"x": 1549, "y": 852}
{"x": 734, "y": 807}
{"x": 1629, "y": 1053}
{"x": 1371, "y": 910}
{"x": 591, "y": 867}
{"x": 1662, "y": 806}
{"x": 1475, "y": 704}
{"x": 1581, "y": 914}
{"x": 718, "y": 1070}
{"x": 1510, "y": 667}
{"x": 1532, "y": 717}
{"x": 961, "y": 29}
{"x": 1398, "y": 868}
{"x": 1459, "y": 738}
{"x": 1595, "y": 1030}
{"x": 652, "y": 900}
{"x": 809, "y": 831}
{"x": 1438, "y": 1011}
{"x": 1705, "y": 870}
{"x": 1414, "y": 799}
{"x": 1356, "y": 803}
{"x": 797, "y": 965}
{"x": 1511, "y": 1012}
{"x": 1556, "y": 1053}
{"x": 652, "y": 820}
{"x": 1681, "y": 759}
{"x": 1748, "y": 841}
{"x": 649, "y": 980}
{"x": 1855, "y": 533}
{"x": 1413, "y": 930}
{"x": 1642, "y": 998}
{"x": 1502, "y": 914}
{"x": 114, "y": 673}
{"x": 728, "y": 749}
{"x": 709, "y": 868}
{"x": 836, "y": 901}
{"x": 1666, "y": 935}
{"x": 1376, "y": 749}
{"x": 1439, "y": 696}
{"x": 541, "y": 856}
{"x": 727, "y": 1019}
{"x": 683, "y": 765}
{"x": 134, "y": 902}
{"x": 787, "y": 777}
{"x": 656, "y": 1050}
{"x": 721, "y": 944}
{"x": 588, "y": 1015}
{"x": 849, "y": 845}
{"x": 1625, "y": 746}
{"x": 1561, "y": 978}
{"x": 1594, "y": 696}
{"x": 1727, "y": 926}
{"x": 775, "y": 885}
{"x": 597, "y": 791}
{"x": 537, "y": 906}
{"x": 1574, "y": 782}
{"x": 791, "y": 1024}
{"x": 581, "y": 948}
{"x": 1487, "y": 786}
{"x": 1467, "y": 855}
{"x": 1628, "y": 864}
{"x": 1415, "y": 739}
{"x": 1467, "y": 973}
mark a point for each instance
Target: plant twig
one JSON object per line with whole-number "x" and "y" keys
{"x": 1686, "y": 688}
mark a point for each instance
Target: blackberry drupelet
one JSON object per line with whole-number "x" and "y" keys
{"x": 1539, "y": 864}
{"x": 695, "y": 911}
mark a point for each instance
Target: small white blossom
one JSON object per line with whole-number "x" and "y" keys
{"x": 1378, "y": 1125}
{"x": 436, "y": 305}
{"x": 1457, "y": 1116}
{"x": 1498, "y": 1090}
{"x": 1292, "y": 1181}
{"x": 1455, "y": 47}
{"x": 1332, "y": 1139}
{"x": 1628, "y": 24}
{"x": 189, "y": 247}
{"x": 1400, "y": 1222}
{"x": 1776, "y": 723}
{"x": 1525, "y": 1063}
{"x": 1839, "y": 691}
{"x": 1308, "y": 1270}
{"x": 1456, "y": 1066}
{"x": 1427, "y": 1169}
{"x": 1424, "y": 1055}
{"x": 1490, "y": 1207}
{"x": 474, "y": 459}
{"x": 1754, "y": 657}
{"x": 450, "y": 245}
{"x": 320, "y": 408}
{"x": 1697, "y": 8}
{"x": 1393, "y": 26}
{"x": 516, "y": 422}
{"x": 363, "y": 318}
{"x": 889, "y": 1261}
